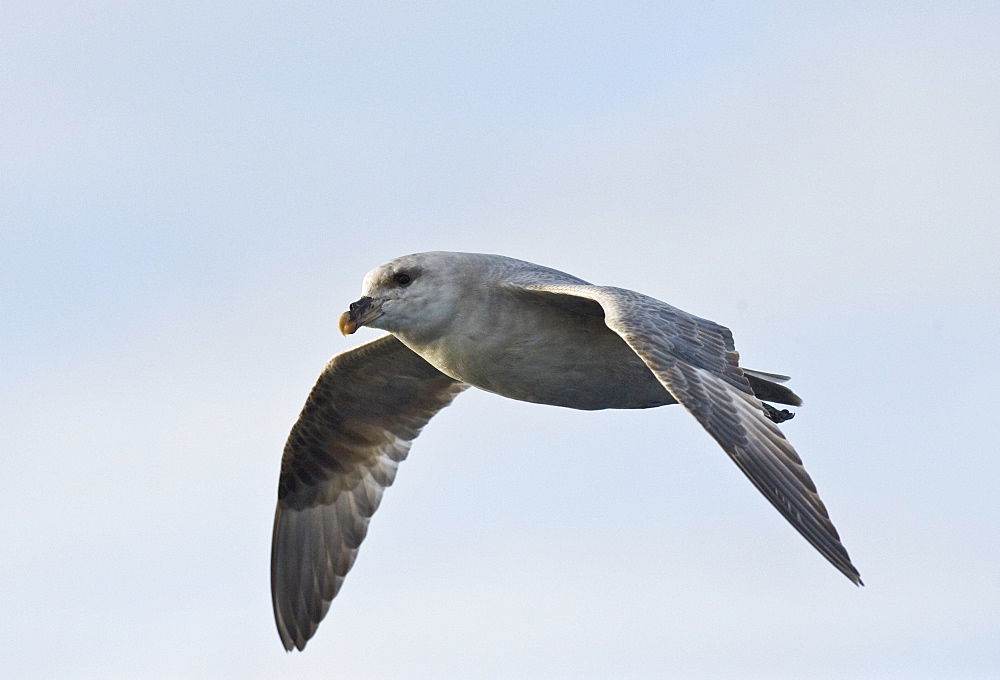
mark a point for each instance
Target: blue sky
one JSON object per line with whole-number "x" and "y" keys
{"x": 193, "y": 192}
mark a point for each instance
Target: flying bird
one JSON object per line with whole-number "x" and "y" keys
{"x": 525, "y": 332}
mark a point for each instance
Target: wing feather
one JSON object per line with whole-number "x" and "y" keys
{"x": 696, "y": 361}
{"x": 354, "y": 430}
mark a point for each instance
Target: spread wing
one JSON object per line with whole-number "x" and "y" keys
{"x": 356, "y": 426}
{"x": 696, "y": 361}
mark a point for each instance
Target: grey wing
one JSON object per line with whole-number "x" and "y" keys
{"x": 696, "y": 361}
{"x": 355, "y": 428}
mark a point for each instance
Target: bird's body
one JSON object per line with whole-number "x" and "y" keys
{"x": 577, "y": 355}
{"x": 554, "y": 350}
{"x": 521, "y": 331}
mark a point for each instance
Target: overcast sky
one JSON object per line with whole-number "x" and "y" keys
{"x": 191, "y": 193}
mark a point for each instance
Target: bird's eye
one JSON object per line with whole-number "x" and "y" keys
{"x": 402, "y": 279}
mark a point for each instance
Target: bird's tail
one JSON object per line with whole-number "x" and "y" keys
{"x": 766, "y": 387}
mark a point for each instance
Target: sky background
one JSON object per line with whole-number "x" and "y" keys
{"x": 191, "y": 193}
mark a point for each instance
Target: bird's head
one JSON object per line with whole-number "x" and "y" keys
{"x": 415, "y": 297}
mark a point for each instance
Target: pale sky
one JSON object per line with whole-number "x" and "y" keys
{"x": 192, "y": 192}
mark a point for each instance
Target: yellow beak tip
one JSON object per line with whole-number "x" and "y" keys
{"x": 346, "y": 324}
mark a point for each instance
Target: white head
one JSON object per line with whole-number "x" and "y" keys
{"x": 416, "y": 296}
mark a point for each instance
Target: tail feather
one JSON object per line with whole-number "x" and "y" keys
{"x": 773, "y": 377}
{"x": 766, "y": 388}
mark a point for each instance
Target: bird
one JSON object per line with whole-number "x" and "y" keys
{"x": 522, "y": 331}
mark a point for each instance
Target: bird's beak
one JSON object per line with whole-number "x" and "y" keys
{"x": 360, "y": 313}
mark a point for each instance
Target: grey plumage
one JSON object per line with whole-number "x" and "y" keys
{"x": 526, "y": 332}
{"x": 354, "y": 430}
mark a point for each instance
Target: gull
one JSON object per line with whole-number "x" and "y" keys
{"x": 525, "y": 332}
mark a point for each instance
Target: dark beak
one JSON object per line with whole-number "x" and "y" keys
{"x": 359, "y": 313}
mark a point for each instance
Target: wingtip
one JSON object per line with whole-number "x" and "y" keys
{"x": 291, "y": 645}
{"x": 852, "y": 574}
